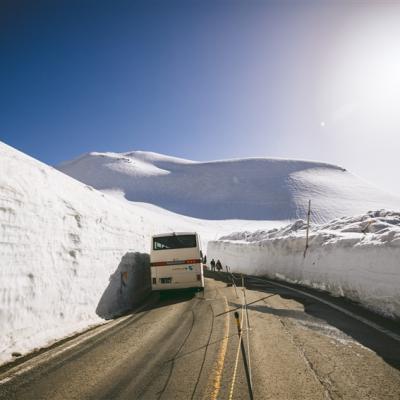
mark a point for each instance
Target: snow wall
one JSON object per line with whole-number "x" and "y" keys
{"x": 353, "y": 257}
{"x": 70, "y": 256}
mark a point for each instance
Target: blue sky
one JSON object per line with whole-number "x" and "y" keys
{"x": 205, "y": 80}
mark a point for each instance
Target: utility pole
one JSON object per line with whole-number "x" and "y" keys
{"x": 308, "y": 227}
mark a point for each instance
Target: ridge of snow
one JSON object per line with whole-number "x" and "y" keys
{"x": 249, "y": 188}
{"x": 151, "y": 156}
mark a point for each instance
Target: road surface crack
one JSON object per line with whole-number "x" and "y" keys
{"x": 325, "y": 382}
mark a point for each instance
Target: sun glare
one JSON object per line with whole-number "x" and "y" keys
{"x": 365, "y": 68}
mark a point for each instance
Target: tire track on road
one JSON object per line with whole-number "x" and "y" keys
{"x": 172, "y": 363}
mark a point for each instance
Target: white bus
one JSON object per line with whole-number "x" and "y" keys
{"x": 176, "y": 261}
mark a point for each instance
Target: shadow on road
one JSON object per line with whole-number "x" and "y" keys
{"x": 316, "y": 312}
{"x": 174, "y": 296}
{"x": 128, "y": 285}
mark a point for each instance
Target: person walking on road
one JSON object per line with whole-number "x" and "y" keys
{"x": 218, "y": 265}
{"x": 212, "y": 263}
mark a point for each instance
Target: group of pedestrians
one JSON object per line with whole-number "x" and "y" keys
{"x": 216, "y": 265}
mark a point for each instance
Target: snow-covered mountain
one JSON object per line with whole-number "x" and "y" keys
{"x": 253, "y": 188}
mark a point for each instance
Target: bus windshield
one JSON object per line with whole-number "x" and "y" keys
{"x": 174, "y": 242}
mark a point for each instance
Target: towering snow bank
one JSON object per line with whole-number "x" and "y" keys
{"x": 66, "y": 251}
{"x": 356, "y": 257}
{"x": 254, "y": 189}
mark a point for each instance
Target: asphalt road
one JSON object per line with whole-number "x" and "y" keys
{"x": 184, "y": 346}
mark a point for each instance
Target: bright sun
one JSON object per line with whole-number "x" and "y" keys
{"x": 364, "y": 70}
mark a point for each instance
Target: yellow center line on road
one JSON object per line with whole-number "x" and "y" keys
{"x": 219, "y": 364}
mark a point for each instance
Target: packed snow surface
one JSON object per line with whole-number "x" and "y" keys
{"x": 253, "y": 189}
{"x": 357, "y": 257}
{"x": 72, "y": 256}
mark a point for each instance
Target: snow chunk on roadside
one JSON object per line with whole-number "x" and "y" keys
{"x": 356, "y": 257}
